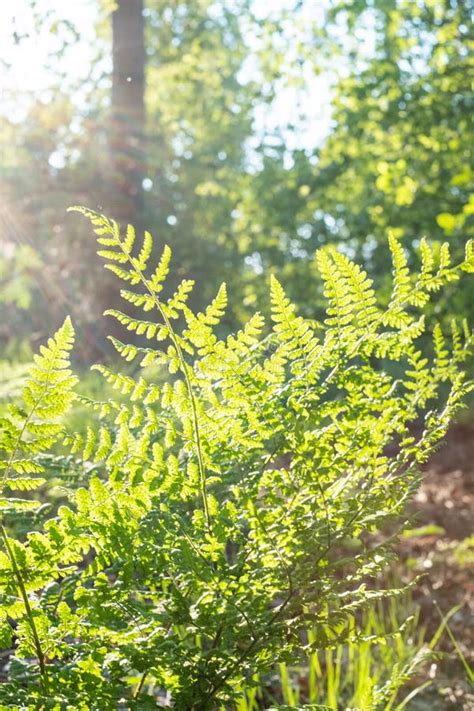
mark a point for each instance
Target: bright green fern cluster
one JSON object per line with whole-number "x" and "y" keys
{"x": 232, "y": 477}
{"x": 27, "y": 433}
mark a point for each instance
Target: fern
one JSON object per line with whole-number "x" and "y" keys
{"x": 32, "y": 428}
{"x": 29, "y": 431}
{"x": 220, "y": 498}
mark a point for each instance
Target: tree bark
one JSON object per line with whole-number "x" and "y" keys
{"x": 125, "y": 170}
{"x": 128, "y": 111}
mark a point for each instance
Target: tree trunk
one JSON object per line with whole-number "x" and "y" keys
{"x": 128, "y": 111}
{"x": 126, "y": 169}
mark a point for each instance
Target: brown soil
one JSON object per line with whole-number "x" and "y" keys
{"x": 446, "y": 559}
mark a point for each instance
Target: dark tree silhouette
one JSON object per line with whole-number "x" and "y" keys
{"x": 128, "y": 110}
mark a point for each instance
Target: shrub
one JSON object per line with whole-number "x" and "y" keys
{"x": 226, "y": 498}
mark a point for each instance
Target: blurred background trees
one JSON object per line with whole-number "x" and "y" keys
{"x": 245, "y": 137}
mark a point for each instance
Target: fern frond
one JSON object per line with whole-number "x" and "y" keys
{"x": 176, "y": 304}
{"x": 199, "y": 332}
{"x": 364, "y": 310}
{"x": 295, "y": 336}
{"x": 402, "y": 286}
{"x": 24, "y": 483}
{"x": 123, "y": 274}
{"x": 161, "y": 272}
{"x": 468, "y": 263}
{"x": 257, "y": 462}
{"x": 144, "y": 301}
{"x": 339, "y": 310}
{"x": 129, "y": 240}
{"x": 141, "y": 262}
{"x": 47, "y": 395}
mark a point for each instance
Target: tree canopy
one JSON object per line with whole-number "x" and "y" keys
{"x": 233, "y": 193}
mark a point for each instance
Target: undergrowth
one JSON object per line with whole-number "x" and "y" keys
{"x": 221, "y": 500}
{"x": 385, "y": 671}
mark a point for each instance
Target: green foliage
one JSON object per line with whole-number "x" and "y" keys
{"x": 199, "y": 116}
{"x": 398, "y": 155}
{"x": 366, "y": 674}
{"x": 230, "y": 188}
{"x": 224, "y": 498}
{"x": 27, "y": 432}
{"x": 30, "y": 429}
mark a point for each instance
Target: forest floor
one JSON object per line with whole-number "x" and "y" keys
{"x": 443, "y": 552}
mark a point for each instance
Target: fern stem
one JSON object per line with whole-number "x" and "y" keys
{"x": 29, "y": 612}
{"x": 184, "y": 369}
